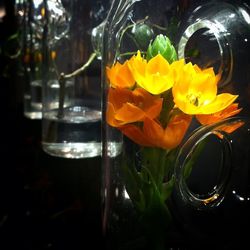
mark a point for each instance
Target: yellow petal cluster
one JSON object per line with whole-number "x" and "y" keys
{"x": 136, "y": 98}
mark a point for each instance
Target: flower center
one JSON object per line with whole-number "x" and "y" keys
{"x": 193, "y": 98}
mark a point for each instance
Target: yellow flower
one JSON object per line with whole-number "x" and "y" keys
{"x": 155, "y": 76}
{"x": 195, "y": 91}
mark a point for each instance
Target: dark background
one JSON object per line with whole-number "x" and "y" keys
{"x": 45, "y": 202}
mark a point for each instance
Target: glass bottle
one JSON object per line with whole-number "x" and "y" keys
{"x": 71, "y": 123}
{"x": 31, "y": 31}
{"x": 165, "y": 67}
{"x": 212, "y": 195}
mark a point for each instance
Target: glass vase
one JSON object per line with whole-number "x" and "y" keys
{"x": 30, "y": 21}
{"x": 212, "y": 194}
{"x": 166, "y": 67}
{"x": 71, "y": 123}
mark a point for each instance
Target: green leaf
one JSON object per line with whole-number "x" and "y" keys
{"x": 153, "y": 160}
{"x": 167, "y": 188}
{"x": 134, "y": 184}
{"x": 131, "y": 178}
{"x": 154, "y": 190}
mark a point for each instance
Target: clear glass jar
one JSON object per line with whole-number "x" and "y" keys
{"x": 71, "y": 123}
{"x": 212, "y": 198}
{"x": 167, "y": 66}
{"x": 29, "y": 18}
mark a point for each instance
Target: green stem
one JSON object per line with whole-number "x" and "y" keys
{"x": 60, "y": 114}
{"x": 157, "y": 221}
{"x": 167, "y": 106}
{"x": 146, "y": 190}
{"x": 131, "y": 53}
{"x": 159, "y": 27}
{"x": 62, "y": 83}
{"x": 80, "y": 70}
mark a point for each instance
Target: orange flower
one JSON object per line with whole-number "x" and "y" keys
{"x": 126, "y": 106}
{"x": 228, "y": 128}
{"x": 120, "y": 76}
{"x": 153, "y": 135}
{"x": 231, "y": 128}
{"x": 225, "y": 113}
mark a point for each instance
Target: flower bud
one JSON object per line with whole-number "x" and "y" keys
{"x": 143, "y": 33}
{"x": 162, "y": 45}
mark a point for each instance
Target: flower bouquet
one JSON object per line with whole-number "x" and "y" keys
{"x": 153, "y": 97}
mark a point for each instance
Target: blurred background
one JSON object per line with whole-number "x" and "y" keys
{"x": 45, "y": 202}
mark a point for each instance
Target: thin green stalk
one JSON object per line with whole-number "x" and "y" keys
{"x": 62, "y": 83}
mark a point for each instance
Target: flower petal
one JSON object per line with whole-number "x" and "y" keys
{"x": 195, "y": 90}
{"x": 228, "y": 128}
{"x": 153, "y": 131}
{"x": 110, "y": 115}
{"x": 132, "y": 106}
{"x": 173, "y": 134}
{"x": 119, "y": 96}
{"x": 135, "y": 134}
{"x": 225, "y": 113}
{"x": 137, "y": 66}
{"x": 221, "y": 102}
{"x": 129, "y": 113}
{"x": 120, "y": 76}
{"x": 175, "y": 131}
{"x": 154, "y": 76}
{"x": 157, "y": 65}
